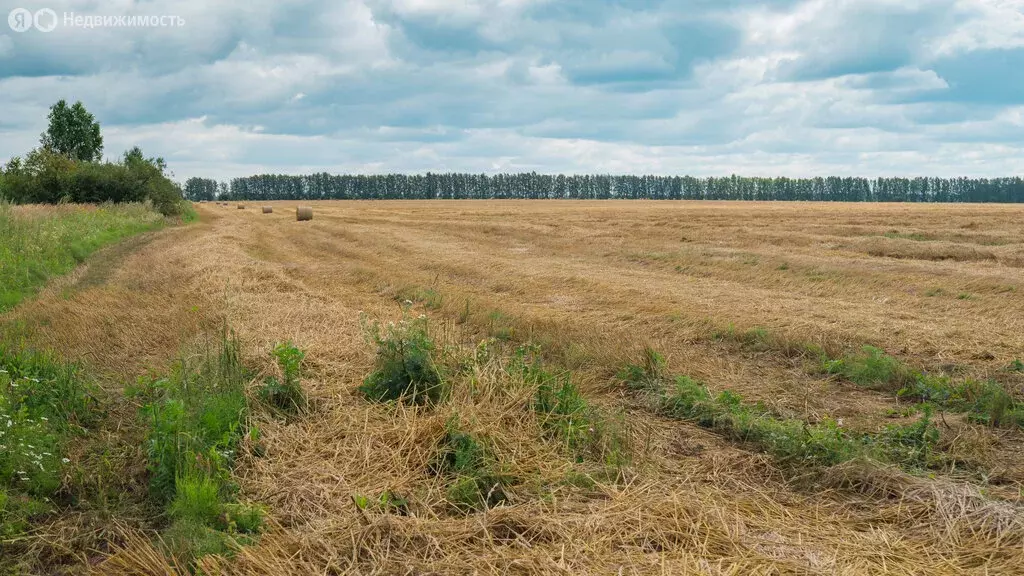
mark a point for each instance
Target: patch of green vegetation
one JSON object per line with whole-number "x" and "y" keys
{"x": 647, "y": 374}
{"x": 567, "y": 415}
{"x": 285, "y": 394}
{"x": 1016, "y": 366}
{"x": 404, "y": 369}
{"x": 43, "y": 403}
{"x": 871, "y": 368}
{"x": 760, "y": 339}
{"x": 17, "y": 511}
{"x": 195, "y": 424}
{"x": 754, "y": 335}
{"x": 964, "y": 296}
{"x": 783, "y": 266}
{"x": 789, "y": 440}
{"x": 474, "y": 479}
{"x": 37, "y": 247}
{"x": 932, "y": 292}
{"x": 983, "y": 402}
{"x": 387, "y": 502}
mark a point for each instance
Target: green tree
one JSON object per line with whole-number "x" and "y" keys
{"x": 73, "y": 132}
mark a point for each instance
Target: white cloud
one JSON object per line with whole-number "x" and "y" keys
{"x": 812, "y": 88}
{"x": 990, "y": 24}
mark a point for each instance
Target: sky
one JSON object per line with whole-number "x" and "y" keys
{"x": 232, "y": 88}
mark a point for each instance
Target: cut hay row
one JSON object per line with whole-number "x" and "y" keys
{"x": 354, "y": 486}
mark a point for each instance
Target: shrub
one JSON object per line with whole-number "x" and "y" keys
{"x": 404, "y": 369}
{"x": 47, "y": 177}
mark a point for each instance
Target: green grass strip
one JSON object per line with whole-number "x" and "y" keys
{"x": 38, "y": 244}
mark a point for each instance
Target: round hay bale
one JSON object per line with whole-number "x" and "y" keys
{"x": 241, "y": 206}
{"x": 303, "y": 213}
{"x": 268, "y": 209}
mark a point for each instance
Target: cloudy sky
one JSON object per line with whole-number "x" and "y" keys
{"x": 701, "y": 87}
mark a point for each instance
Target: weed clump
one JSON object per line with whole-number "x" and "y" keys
{"x": 285, "y": 394}
{"x": 871, "y": 368}
{"x": 567, "y": 415}
{"x": 985, "y": 403}
{"x": 429, "y": 297}
{"x": 647, "y": 374}
{"x": 404, "y": 369}
{"x": 474, "y": 479}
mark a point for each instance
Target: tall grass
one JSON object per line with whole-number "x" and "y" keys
{"x": 37, "y": 244}
{"x": 196, "y": 420}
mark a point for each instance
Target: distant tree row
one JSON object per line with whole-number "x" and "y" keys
{"x": 538, "y": 186}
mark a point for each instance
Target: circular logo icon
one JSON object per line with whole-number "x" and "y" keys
{"x": 20, "y": 20}
{"x": 45, "y": 20}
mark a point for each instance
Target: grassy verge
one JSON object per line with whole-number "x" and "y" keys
{"x": 44, "y": 403}
{"x": 37, "y": 244}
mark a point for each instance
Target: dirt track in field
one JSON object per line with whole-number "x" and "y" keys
{"x": 937, "y": 286}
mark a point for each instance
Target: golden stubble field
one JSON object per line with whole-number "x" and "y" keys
{"x": 940, "y": 287}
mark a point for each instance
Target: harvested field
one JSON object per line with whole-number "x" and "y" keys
{"x": 771, "y": 301}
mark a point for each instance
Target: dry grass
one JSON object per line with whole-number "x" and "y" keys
{"x": 593, "y": 282}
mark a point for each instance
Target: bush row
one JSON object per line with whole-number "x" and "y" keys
{"x": 46, "y": 177}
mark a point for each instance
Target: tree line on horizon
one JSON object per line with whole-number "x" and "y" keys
{"x": 532, "y": 185}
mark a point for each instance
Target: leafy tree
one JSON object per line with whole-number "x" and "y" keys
{"x": 73, "y": 132}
